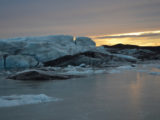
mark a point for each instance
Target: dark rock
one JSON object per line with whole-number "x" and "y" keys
{"x": 39, "y": 75}
{"x": 123, "y": 46}
{"x": 142, "y": 53}
{"x": 133, "y": 65}
{"x": 88, "y": 58}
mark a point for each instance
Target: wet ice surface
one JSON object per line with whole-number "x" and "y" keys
{"x": 152, "y": 69}
{"x": 132, "y": 93}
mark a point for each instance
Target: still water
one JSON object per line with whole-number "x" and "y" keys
{"x": 126, "y": 95}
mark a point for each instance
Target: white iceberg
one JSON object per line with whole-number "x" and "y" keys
{"x": 31, "y": 50}
{"x": 84, "y": 41}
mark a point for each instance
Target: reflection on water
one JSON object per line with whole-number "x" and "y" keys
{"x": 129, "y": 95}
{"x": 135, "y": 88}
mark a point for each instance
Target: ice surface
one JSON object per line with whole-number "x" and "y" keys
{"x": 41, "y": 49}
{"x": 126, "y": 67}
{"x": 150, "y": 68}
{"x": 120, "y": 69}
{"x": 143, "y": 70}
{"x": 16, "y": 100}
{"x": 113, "y": 71}
{"x": 126, "y": 57}
{"x": 77, "y": 70}
{"x": 154, "y": 73}
{"x": 84, "y": 41}
{"x": 20, "y": 61}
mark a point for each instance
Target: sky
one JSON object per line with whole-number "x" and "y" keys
{"x": 98, "y": 19}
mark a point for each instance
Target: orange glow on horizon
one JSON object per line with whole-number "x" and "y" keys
{"x": 146, "y": 38}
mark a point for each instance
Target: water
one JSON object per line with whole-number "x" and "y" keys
{"x": 125, "y": 95}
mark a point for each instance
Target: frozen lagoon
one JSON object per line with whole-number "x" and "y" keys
{"x": 123, "y": 93}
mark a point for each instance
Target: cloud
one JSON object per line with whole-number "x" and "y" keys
{"x": 77, "y": 17}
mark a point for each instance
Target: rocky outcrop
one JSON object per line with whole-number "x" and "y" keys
{"x": 38, "y": 75}
{"x": 141, "y": 53}
{"x": 90, "y": 58}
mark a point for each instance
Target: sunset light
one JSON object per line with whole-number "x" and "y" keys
{"x": 80, "y": 59}
{"x": 147, "y": 38}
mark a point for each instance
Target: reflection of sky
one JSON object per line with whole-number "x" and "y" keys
{"x": 131, "y": 93}
{"x": 79, "y": 18}
{"x": 136, "y": 87}
{"x": 145, "y": 88}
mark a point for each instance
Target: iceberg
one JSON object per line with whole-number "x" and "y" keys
{"x": 30, "y": 51}
{"x": 33, "y": 52}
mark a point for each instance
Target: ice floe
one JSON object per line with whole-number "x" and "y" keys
{"x": 17, "y": 100}
{"x": 77, "y": 70}
{"x": 120, "y": 69}
{"x": 125, "y": 67}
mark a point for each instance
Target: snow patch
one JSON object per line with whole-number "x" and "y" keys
{"x": 126, "y": 67}
{"x": 114, "y": 71}
{"x": 17, "y": 100}
{"x": 120, "y": 69}
{"x": 126, "y": 57}
{"x": 77, "y": 70}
